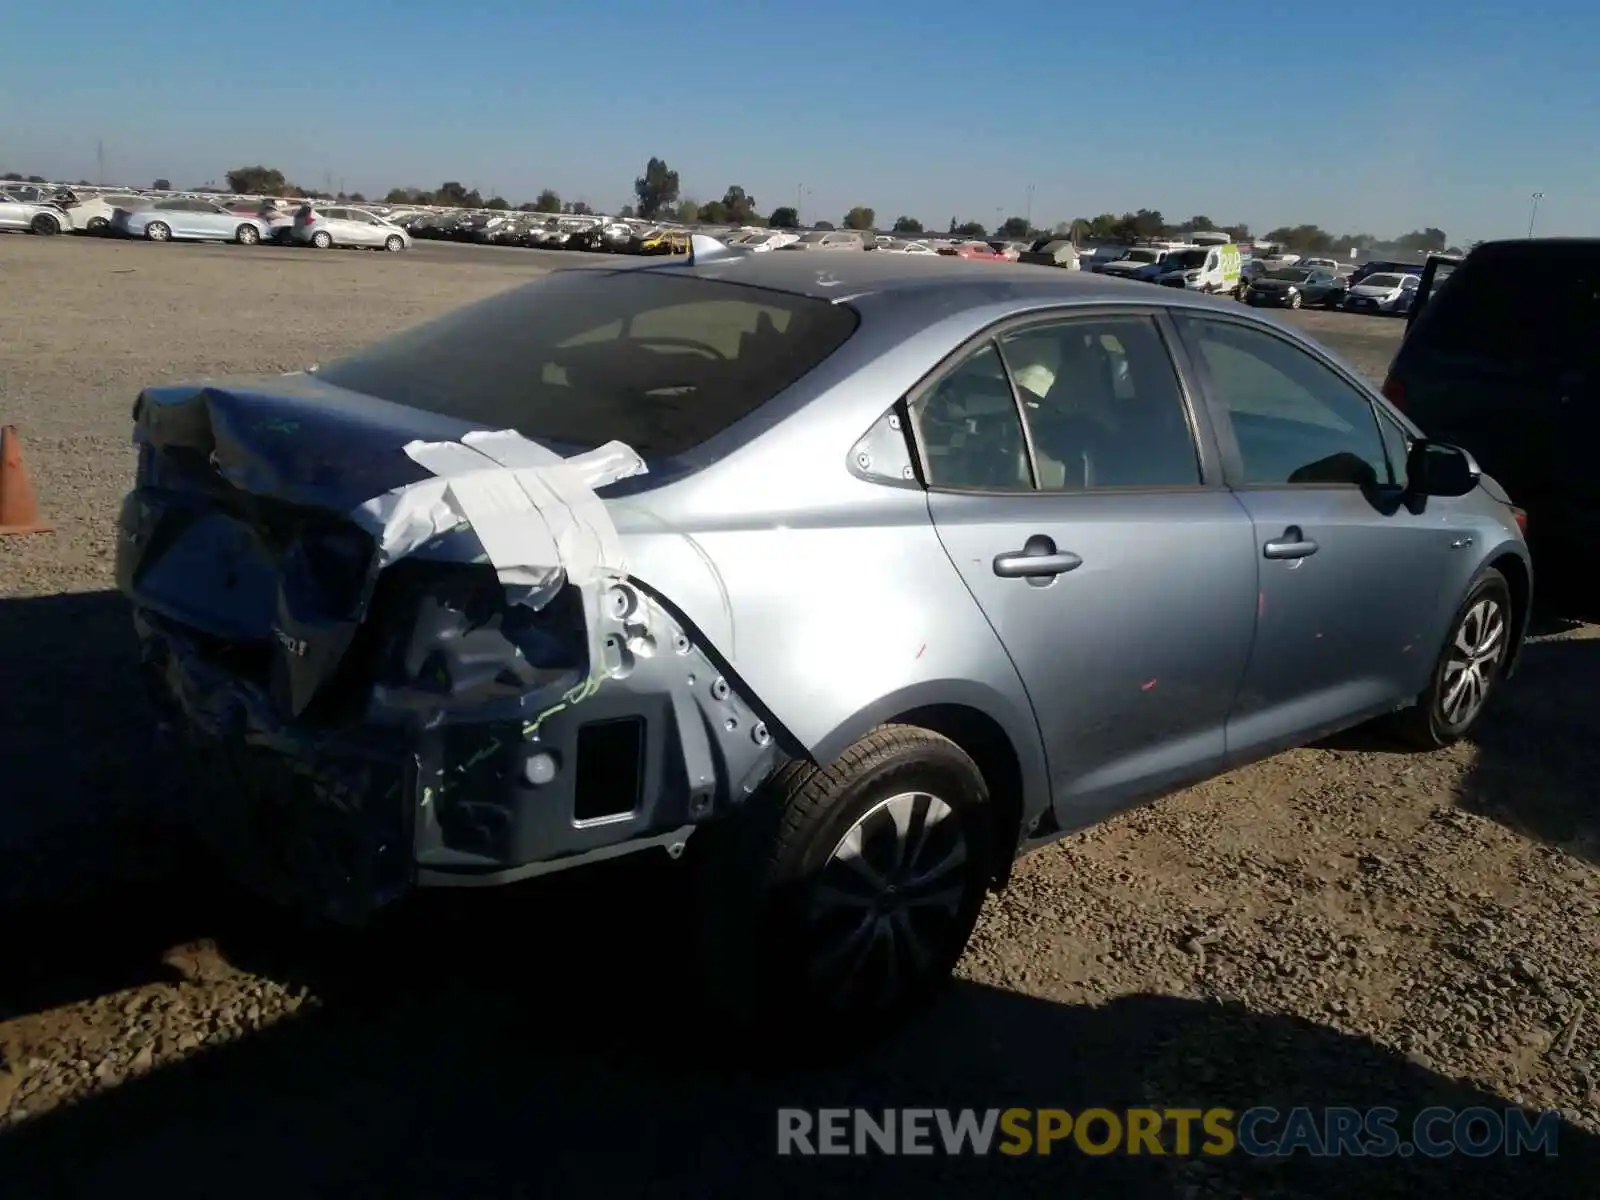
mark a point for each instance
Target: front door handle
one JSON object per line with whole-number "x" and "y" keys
{"x": 1038, "y": 561}
{"x": 1293, "y": 544}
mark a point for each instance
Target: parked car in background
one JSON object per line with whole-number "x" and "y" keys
{"x": 1143, "y": 263}
{"x": 1294, "y": 287}
{"x": 1213, "y": 269}
{"x": 1501, "y": 359}
{"x": 977, "y": 251}
{"x": 827, "y": 240}
{"x": 31, "y": 216}
{"x": 1051, "y": 252}
{"x": 93, "y": 213}
{"x": 189, "y": 220}
{"x": 1126, "y": 538}
{"x": 1383, "y": 267}
{"x": 344, "y": 226}
{"x": 1390, "y": 295}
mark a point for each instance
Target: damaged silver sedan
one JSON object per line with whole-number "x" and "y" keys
{"x": 842, "y": 583}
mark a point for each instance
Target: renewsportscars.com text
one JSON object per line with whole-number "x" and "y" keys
{"x": 1333, "y": 1132}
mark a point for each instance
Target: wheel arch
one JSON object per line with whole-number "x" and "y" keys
{"x": 1519, "y": 579}
{"x": 983, "y": 740}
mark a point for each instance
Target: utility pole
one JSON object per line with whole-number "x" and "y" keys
{"x": 1533, "y": 213}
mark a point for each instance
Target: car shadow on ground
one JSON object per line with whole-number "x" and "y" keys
{"x": 520, "y": 1057}
{"x": 75, "y": 790}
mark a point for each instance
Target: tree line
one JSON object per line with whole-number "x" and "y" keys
{"x": 658, "y": 195}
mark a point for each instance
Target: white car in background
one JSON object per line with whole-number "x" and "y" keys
{"x": 341, "y": 225}
{"x": 31, "y": 216}
{"x": 761, "y": 241}
{"x": 1391, "y": 295}
{"x": 92, "y": 214}
{"x": 903, "y": 246}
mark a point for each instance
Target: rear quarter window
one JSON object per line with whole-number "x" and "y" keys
{"x": 661, "y": 362}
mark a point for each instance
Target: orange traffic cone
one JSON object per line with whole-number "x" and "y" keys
{"x": 19, "y": 509}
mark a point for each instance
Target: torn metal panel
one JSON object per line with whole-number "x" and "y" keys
{"x": 449, "y": 678}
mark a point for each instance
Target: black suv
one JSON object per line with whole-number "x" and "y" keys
{"x": 1501, "y": 358}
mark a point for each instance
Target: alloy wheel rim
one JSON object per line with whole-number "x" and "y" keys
{"x": 1475, "y": 654}
{"x": 888, "y": 899}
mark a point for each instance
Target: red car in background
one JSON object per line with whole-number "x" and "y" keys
{"x": 978, "y": 250}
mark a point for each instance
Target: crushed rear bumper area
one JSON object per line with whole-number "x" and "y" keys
{"x": 340, "y": 819}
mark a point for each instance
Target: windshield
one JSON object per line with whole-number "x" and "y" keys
{"x": 1289, "y": 275}
{"x": 581, "y": 357}
{"x": 1143, "y": 256}
{"x": 1382, "y": 281}
{"x": 1187, "y": 258}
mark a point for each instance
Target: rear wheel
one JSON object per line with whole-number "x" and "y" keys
{"x": 1468, "y": 669}
{"x": 322, "y": 239}
{"x": 97, "y": 225}
{"x": 247, "y": 235}
{"x": 45, "y": 225}
{"x": 158, "y": 231}
{"x": 842, "y": 896}
{"x": 1295, "y": 301}
{"x": 394, "y": 243}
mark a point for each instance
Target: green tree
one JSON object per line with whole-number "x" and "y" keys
{"x": 784, "y": 217}
{"x": 452, "y": 194}
{"x": 1014, "y": 227}
{"x": 547, "y": 201}
{"x": 656, "y": 189}
{"x": 161, "y": 185}
{"x": 907, "y": 225}
{"x": 859, "y": 217}
{"x": 578, "y": 208}
{"x": 1423, "y": 241}
{"x": 358, "y": 198}
{"x": 1302, "y": 239}
{"x": 739, "y": 206}
{"x": 970, "y": 229}
{"x": 625, "y": 211}
{"x": 498, "y": 203}
{"x": 257, "y": 181}
{"x": 825, "y": 226}
{"x": 714, "y": 212}
{"x": 1197, "y": 225}
{"x": 687, "y": 209}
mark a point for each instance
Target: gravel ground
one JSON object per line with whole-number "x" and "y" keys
{"x": 1338, "y": 925}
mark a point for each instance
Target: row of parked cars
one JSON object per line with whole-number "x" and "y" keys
{"x": 163, "y": 217}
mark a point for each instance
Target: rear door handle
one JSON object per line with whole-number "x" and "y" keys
{"x": 1038, "y": 561}
{"x": 1293, "y": 544}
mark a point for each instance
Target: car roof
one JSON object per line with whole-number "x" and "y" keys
{"x": 869, "y": 273}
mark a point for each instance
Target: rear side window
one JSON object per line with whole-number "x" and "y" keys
{"x": 660, "y": 362}
{"x": 1516, "y": 304}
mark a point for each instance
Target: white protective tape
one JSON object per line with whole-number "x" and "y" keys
{"x": 535, "y": 513}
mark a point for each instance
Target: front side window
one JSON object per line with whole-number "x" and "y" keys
{"x": 1294, "y": 419}
{"x": 660, "y": 362}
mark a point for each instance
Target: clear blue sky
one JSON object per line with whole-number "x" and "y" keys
{"x": 1361, "y": 115}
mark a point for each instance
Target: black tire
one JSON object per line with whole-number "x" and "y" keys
{"x": 98, "y": 226}
{"x": 322, "y": 239}
{"x": 394, "y": 243}
{"x": 1295, "y": 301}
{"x": 1428, "y": 725}
{"x": 765, "y": 950}
{"x": 247, "y": 234}
{"x": 45, "y": 225}
{"x": 158, "y": 231}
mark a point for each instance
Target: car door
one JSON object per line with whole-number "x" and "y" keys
{"x": 1351, "y": 573}
{"x": 12, "y": 214}
{"x": 1080, "y": 498}
{"x": 363, "y": 228}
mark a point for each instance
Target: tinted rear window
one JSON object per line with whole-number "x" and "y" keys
{"x": 658, "y": 361}
{"x": 1516, "y": 303}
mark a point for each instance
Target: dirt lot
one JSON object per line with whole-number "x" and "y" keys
{"x": 1339, "y": 925}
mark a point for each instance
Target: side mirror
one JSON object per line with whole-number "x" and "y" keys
{"x": 1440, "y": 469}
